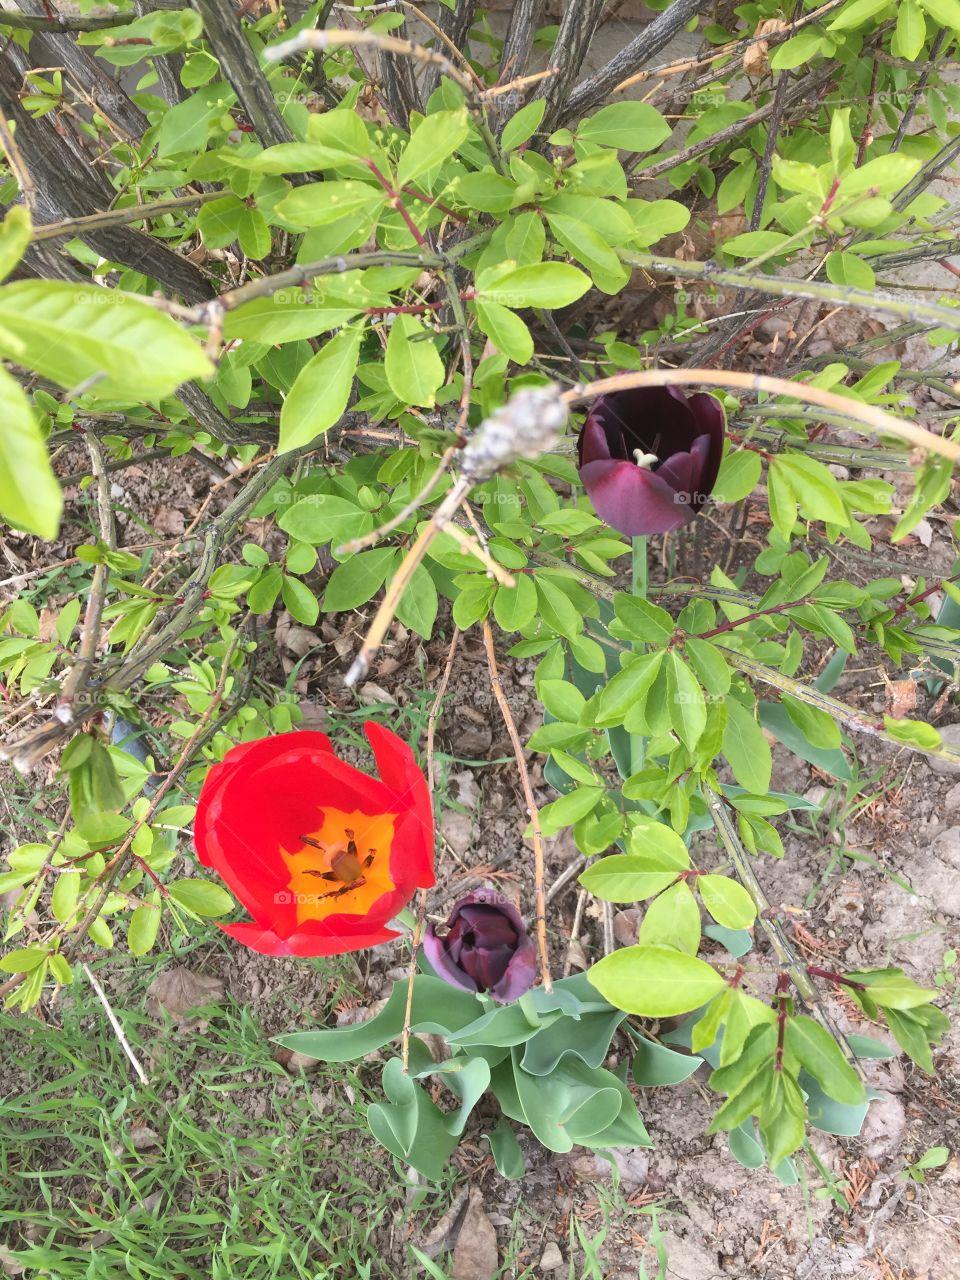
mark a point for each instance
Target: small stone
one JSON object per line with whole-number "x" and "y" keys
{"x": 947, "y": 844}
{"x": 950, "y": 736}
{"x": 883, "y": 1128}
{"x": 456, "y": 828}
{"x": 552, "y": 1258}
{"x": 951, "y": 801}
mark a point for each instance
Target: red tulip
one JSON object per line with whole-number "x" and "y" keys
{"x": 320, "y": 854}
{"x": 649, "y": 458}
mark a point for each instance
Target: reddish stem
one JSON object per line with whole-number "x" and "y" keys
{"x": 750, "y": 617}
{"x": 397, "y": 203}
{"x": 783, "y": 982}
{"x": 838, "y": 979}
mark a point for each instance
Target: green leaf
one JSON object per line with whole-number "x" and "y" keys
{"x": 946, "y": 12}
{"x": 892, "y": 989}
{"x": 30, "y": 497}
{"x": 522, "y": 124}
{"x": 144, "y": 925}
{"x": 751, "y": 244}
{"x": 819, "y": 729}
{"x": 727, "y": 901}
{"x": 688, "y": 706}
{"x": 505, "y": 1150}
{"x": 913, "y": 732}
{"x": 201, "y": 897}
{"x": 739, "y": 473}
{"x": 638, "y": 619}
{"x": 672, "y": 920}
{"x": 589, "y": 248}
{"x": 437, "y": 1009}
{"x": 816, "y": 1050}
{"x": 541, "y": 284}
{"x": 570, "y": 808}
{"x": 628, "y": 688}
{"x": 910, "y": 33}
{"x": 324, "y": 517}
{"x": 628, "y": 126}
{"x": 848, "y": 269}
{"x": 658, "y": 844}
{"x": 300, "y": 602}
{"x": 622, "y": 878}
{"x": 358, "y": 579}
{"x": 435, "y": 138}
{"x": 506, "y": 331}
{"x": 796, "y": 51}
{"x": 319, "y": 395}
{"x": 655, "y": 1064}
{"x": 782, "y": 1121}
{"x": 516, "y": 607}
{"x": 857, "y": 13}
{"x": 75, "y": 333}
{"x": 318, "y": 203}
{"x": 417, "y": 607}
{"x": 413, "y": 366}
{"x": 262, "y": 596}
{"x": 410, "y": 1125}
{"x": 655, "y": 982}
{"x": 562, "y": 699}
{"x": 747, "y": 749}
{"x": 15, "y": 236}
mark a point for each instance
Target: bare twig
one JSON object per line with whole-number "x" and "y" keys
{"x": 398, "y": 584}
{"x": 475, "y": 548}
{"x": 876, "y": 419}
{"x": 15, "y": 161}
{"x": 532, "y": 811}
{"x": 117, "y": 1029}
{"x": 422, "y": 895}
{"x": 114, "y": 217}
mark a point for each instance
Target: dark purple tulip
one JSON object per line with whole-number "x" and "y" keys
{"x": 485, "y": 948}
{"x": 649, "y": 457}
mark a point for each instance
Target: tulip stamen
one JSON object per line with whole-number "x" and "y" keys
{"x": 645, "y": 460}
{"x": 346, "y": 867}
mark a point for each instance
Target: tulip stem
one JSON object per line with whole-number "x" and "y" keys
{"x": 640, "y": 582}
{"x": 532, "y": 810}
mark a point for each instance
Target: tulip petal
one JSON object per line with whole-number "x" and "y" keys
{"x": 436, "y": 952}
{"x": 711, "y": 419}
{"x": 655, "y": 419}
{"x": 400, "y": 772}
{"x": 632, "y": 500}
{"x": 592, "y": 443}
{"x": 519, "y": 976}
{"x": 268, "y": 943}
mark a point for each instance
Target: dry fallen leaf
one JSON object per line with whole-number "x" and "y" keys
{"x": 903, "y": 698}
{"x": 475, "y": 1256}
{"x": 179, "y": 991}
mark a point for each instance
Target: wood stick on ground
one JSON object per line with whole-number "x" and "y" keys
{"x": 117, "y": 1029}
{"x": 532, "y": 810}
{"x": 422, "y": 895}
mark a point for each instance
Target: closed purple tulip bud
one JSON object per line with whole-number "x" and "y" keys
{"x": 485, "y": 948}
{"x": 649, "y": 458}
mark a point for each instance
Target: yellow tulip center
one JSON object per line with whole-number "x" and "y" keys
{"x": 343, "y": 866}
